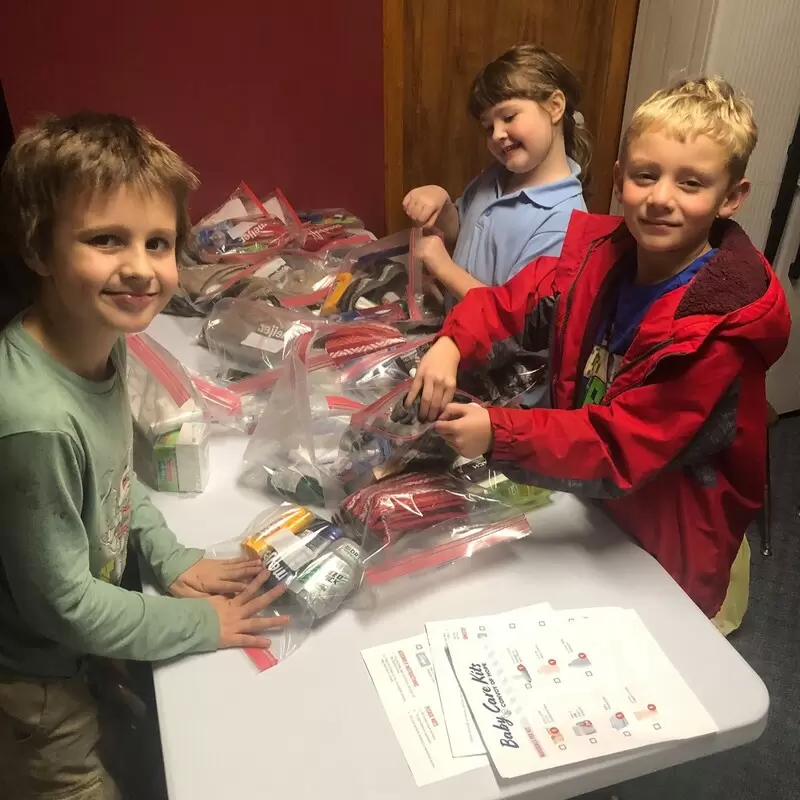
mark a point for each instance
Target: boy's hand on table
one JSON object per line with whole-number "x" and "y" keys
{"x": 212, "y": 576}
{"x": 239, "y": 623}
{"x": 467, "y": 428}
{"x": 424, "y": 204}
{"x": 436, "y": 379}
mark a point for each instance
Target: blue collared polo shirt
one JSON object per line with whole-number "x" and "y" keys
{"x": 500, "y": 233}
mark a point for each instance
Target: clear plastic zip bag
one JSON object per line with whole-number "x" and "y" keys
{"x": 384, "y": 272}
{"x": 312, "y": 557}
{"x": 160, "y": 392}
{"x": 296, "y": 449}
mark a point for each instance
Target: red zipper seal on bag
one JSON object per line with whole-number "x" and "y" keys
{"x": 158, "y": 367}
{"x": 510, "y": 530}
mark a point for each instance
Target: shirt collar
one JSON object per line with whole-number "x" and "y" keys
{"x": 547, "y": 195}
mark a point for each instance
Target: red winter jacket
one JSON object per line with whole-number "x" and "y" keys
{"x": 676, "y": 449}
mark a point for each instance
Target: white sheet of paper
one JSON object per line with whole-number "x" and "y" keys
{"x": 464, "y": 737}
{"x": 403, "y": 676}
{"x": 574, "y": 693}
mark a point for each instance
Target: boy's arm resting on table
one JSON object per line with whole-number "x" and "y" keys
{"x": 157, "y": 543}
{"x": 682, "y": 416}
{"x": 493, "y": 319}
{"x": 45, "y": 554}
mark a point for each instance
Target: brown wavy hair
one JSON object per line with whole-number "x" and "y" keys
{"x": 529, "y": 71}
{"x": 86, "y": 152}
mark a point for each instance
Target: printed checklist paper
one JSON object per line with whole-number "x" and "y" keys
{"x": 545, "y": 698}
{"x": 464, "y": 737}
{"x": 403, "y": 676}
{"x": 533, "y": 689}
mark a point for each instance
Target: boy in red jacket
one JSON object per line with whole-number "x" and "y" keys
{"x": 661, "y": 329}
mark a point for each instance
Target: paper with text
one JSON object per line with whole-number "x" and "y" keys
{"x": 567, "y": 694}
{"x": 464, "y": 737}
{"x": 403, "y": 676}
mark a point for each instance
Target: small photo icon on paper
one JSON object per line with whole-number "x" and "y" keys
{"x": 549, "y": 668}
{"x": 584, "y": 728}
{"x": 581, "y": 661}
{"x": 618, "y": 721}
{"x": 646, "y": 713}
{"x": 555, "y": 735}
{"x": 423, "y": 659}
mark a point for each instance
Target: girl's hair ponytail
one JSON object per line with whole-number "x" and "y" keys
{"x": 531, "y": 72}
{"x": 578, "y": 142}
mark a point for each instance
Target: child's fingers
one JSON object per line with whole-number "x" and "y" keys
{"x": 252, "y": 607}
{"x": 239, "y": 570}
{"x": 240, "y": 560}
{"x": 454, "y": 411}
{"x": 428, "y": 216}
{"x": 448, "y": 395}
{"x": 252, "y": 589}
{"x": 414, "y": 390}
{"x": 436, "y": 404}
{"x": 426, "y": 399}
{"x": 224, "y": 586}
{"x": 259, "y": 624}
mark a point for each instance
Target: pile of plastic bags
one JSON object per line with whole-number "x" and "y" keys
{"x": 317, "y": 329}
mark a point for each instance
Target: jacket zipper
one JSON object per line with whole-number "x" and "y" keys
{"x": 550, "y": 370}
{"x": 568, "y": 309}
{"x": 631, "y": 364}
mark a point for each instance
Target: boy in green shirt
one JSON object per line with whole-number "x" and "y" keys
{"x": 97, "y": 208}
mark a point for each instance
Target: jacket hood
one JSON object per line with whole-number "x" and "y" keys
{"x": 738, "y": 290}
{"x": 736, "y": 294}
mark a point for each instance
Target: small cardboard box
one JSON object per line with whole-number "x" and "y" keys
{"x": 181, "y": 459}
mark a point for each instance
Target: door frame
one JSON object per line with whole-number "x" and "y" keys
{"x": 657, "y": 60}
{"x": 605, "y": 138}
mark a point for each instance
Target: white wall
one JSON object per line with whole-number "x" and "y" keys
{"x": 755, "y": 44}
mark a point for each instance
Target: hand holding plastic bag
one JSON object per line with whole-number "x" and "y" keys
{"x": 296, "y": 450}
{"x": 312, "y": 569}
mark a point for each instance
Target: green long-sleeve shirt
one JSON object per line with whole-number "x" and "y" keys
{"x": 69, "y": 504}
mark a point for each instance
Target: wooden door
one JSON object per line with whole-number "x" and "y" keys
{"x": 434, "y": 48}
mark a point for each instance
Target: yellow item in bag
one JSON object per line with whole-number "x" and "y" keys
{"x": 731, "y": 613}
{"x": 331, "y": 304}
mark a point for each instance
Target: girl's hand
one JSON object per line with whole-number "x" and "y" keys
{"x": 239, "y": 623}
{"x": 424, "y": 204}
{"x": 436, "y": 379}
{"x": 434, "y": 255}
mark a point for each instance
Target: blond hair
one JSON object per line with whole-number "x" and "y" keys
{"x": 528, "y": 71}
{"x": 87, "y": 152}
{"x": 705, "y": 106}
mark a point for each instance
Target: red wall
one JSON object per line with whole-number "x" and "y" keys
{"x": 276, "y": 92}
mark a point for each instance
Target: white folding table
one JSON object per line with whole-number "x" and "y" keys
{"x": 313, "y": 727}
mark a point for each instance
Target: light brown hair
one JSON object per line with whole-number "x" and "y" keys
{"x": 704, "y": 106}
{"x": 530, "y": 72}
{"x": 61, "y": 158}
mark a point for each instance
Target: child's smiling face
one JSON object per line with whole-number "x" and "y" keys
{"x": 520, "y": 132}
{"x": 672, "y": 191}
{"x": 112, "y": 265}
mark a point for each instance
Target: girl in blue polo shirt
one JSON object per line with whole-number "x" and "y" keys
{"x": 519, "y": 207}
